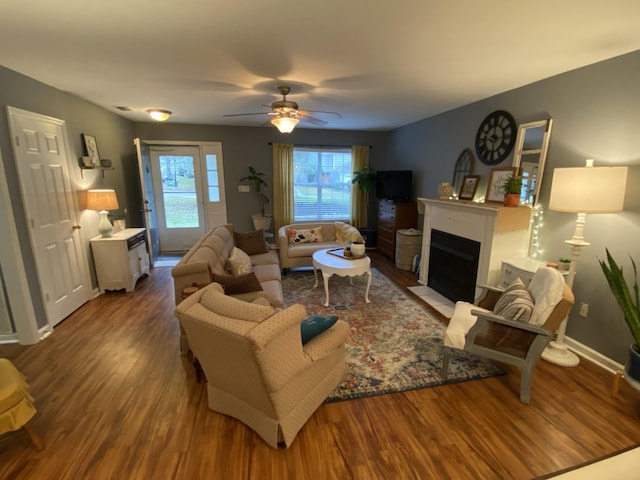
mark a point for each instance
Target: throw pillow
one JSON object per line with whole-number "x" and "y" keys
{"x": 314, "y": 325}
{"x": 347, "y": 233}
{"x": 233, "y": 285}
{"x": 515, "y": 303}
{"x": 309, "y": 235}
{"x": 251, "y": 243}
{"x": 239, "y": 262}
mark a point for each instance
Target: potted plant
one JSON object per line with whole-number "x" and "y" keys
{"x": 365, "y": 179}
{"x": 512, "y": 187}
{"x": 564, "y": 264}
{"x": 260, "y": 220}
{"x": 630, "y": 305}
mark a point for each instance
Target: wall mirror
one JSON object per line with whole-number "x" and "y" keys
{"x": 529, "y": 157}
{"x": 464, "y": 167}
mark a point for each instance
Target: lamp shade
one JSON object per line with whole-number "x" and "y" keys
{"x": 588, "y": 189}
{"x": 102, "y": 199}
{"x": 285, "y": 124}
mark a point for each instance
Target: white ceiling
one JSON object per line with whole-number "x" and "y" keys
{"x": 380, "y": 63}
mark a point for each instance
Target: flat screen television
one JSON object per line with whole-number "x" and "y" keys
{"x": 394, "y": 184}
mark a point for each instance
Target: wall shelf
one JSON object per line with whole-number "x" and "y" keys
{"x": 102, "y": 169}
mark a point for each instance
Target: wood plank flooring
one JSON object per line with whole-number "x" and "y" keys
{"x": 116, "y": 400}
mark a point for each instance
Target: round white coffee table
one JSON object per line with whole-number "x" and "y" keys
{"x": 333, "y": 265}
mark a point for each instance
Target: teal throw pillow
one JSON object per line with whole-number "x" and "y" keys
{"x": 316, "y": 324}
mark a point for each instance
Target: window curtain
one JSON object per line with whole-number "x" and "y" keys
{"x": 359, "y": 199}
{"x": 282, "y": 185}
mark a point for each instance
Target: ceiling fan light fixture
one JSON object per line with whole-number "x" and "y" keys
{"x": 159, "y": 115}
{"x": 284, "y": 124}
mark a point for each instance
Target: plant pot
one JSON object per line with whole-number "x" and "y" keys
{"x": 632, "y": 368}
{"x": 261, "y": 221}
{"x": 563, "y": 266}
{"x": 511, "y": 199}
{"x": 357, "y": 249}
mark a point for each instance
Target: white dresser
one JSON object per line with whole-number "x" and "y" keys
{"x": 120, "y": 259}
{"x": 522, "y": 268}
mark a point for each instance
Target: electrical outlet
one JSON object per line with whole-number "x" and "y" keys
{"x": 244, "y": 188}
{"x": 584, "y": 310}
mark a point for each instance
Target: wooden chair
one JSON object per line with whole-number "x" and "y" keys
{"x": 16, "y": 404}
{"x": 476, "y": 329}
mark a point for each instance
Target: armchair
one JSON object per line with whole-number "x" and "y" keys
{"x": 257, "y": 369}
{"x": 479, "y": 330}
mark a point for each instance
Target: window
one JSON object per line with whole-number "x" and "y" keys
{"x": 322, "y": 184}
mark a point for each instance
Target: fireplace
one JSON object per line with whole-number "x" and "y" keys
{"x": 453, "y": 266}
{"x": 498, "y": 233}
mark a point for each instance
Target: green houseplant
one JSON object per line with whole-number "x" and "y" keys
{"x": 260, "y": 220}
{"x": 365, "y": 179}
{"x": 629, "y": 303}
{"x": 512, "y": 187}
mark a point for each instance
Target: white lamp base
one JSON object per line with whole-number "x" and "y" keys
{"x": 559, "y": 354}
{"x": 104, "y": 226}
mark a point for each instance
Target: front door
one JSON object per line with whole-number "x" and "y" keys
{"x": 40, "y": 147}
{"x": 177, "y": 181}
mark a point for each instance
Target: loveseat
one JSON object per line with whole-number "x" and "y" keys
{"x": 299, "y": 241}
{"x": 263, "y": 367}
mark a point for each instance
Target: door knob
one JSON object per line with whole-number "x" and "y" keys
{"x": 77, "y": 227}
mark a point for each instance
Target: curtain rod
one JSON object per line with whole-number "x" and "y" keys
{"x": 321, "y": 146}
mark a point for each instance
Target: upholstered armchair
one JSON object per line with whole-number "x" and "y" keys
{"x": 257, "y": 368}
{"x": 512, "y": 326}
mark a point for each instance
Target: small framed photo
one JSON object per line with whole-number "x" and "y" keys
{"x": 495, "y": 193}
{"x": 91, "y": 146}
{"x": 469, "y": 187}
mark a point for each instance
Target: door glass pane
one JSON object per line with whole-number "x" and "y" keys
{"x": 179, "y": 191}
{"x": 213, "y": 183}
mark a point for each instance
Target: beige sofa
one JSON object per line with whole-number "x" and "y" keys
{"x": 209, "y": 258}
{"x": 299, "y": 253}
{"x": 256, "y": 366}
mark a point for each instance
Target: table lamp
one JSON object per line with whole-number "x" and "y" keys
{"x": 582, "y": 190}
{"x": 102, "y": 200}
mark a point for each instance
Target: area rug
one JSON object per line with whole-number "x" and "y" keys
{"x": 395, "y": 342}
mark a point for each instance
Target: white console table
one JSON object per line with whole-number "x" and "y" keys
{"x": 120, "y": 259}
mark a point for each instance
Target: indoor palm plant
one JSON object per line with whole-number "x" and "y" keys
{"x": 365, "y": 179}
{"x": 260, "y": 220}
{"x": 512, "y": 187}
{"x": 629, "y": 303}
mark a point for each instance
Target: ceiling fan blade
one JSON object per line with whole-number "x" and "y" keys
{"x": 308, "y": 118}
{"x": 244, "y": 114}
{"x": 305, "y": 112}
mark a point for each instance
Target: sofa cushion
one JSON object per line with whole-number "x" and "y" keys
{"x": 304, "y": 235}
{"x": 269, "y": 258}
{"x": 234, "y": 284}
{"x": 252, "y": 242}
{"x": 264, "y": 273}
{"x": 214, "y": 299}
{"x": 347, "y": 233}
{"x": 239, "y": 262}
{"x": 515, "y": 303}
{"x": 314, "y": 325}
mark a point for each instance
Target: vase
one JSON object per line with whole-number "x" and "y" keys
{"x": 632, "y": 368}
{"x": 445, "y": 190}
{"x": 357, "y": 249}
{"x": 511, "y": 199}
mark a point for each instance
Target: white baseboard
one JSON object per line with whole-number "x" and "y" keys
{"x": 593, "y": 356}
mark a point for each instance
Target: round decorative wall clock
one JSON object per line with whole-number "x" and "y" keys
{"x": 496, "y": 137}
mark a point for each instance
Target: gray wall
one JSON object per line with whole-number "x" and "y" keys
{"x": 244, "y": 146}
{"x": 596, "y": 115}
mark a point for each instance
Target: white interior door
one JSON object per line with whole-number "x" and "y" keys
{"x": 40, "y": 147}
{"x": 177, "y": 184}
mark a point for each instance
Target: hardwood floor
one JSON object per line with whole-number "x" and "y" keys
{"x": 116, "y": 400}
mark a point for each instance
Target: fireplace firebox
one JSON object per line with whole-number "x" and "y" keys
{"x": 453, "y": 265}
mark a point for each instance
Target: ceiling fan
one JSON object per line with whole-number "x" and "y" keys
{"x": 286, "y": 114}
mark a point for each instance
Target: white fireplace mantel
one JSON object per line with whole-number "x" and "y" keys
{"x": 503, "y": 232}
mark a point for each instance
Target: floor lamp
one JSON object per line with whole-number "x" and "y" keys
{"x": 582, "y": 190}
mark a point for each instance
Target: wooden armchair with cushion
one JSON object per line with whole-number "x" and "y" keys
{"x": 512, "y": 326}
{"x": 257, "y": 368}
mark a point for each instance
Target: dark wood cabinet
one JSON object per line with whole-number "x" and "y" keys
{"x": 393, "y": 216}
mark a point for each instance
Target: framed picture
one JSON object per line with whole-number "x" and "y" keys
{"x": 469, "y": 187}
{"x": 496, "y": 180}
{"x": 91, "y": 146}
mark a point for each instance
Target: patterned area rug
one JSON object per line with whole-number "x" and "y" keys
{"x": 395, "y": 343}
